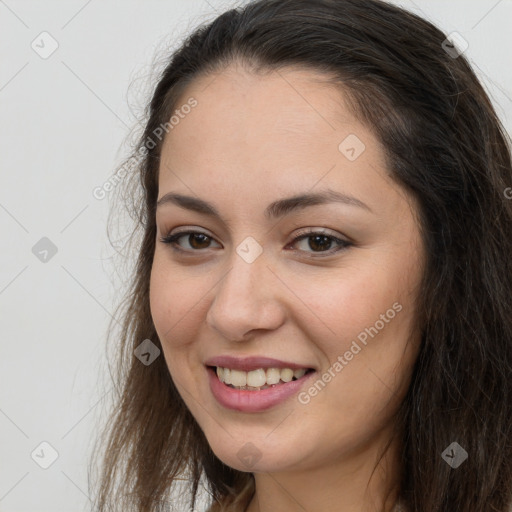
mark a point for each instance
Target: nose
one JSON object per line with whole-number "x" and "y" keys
{"x": 246, "y": 299}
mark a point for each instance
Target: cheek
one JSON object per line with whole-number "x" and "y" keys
{"x": 366, "y": 319}
{"x": 170, "y": 295}
{"x": 168, "y": 311}
{"x": 160, "y": 300}
{"x": 348, "y": 302}
{"x": 177, "y": 304}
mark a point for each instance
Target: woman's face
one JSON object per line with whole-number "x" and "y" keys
{"x": 247, "y": 295}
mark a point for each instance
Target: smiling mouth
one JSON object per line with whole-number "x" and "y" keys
{"x": 259, "y": 379}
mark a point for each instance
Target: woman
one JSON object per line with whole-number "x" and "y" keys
{"x": 321, "y": 310}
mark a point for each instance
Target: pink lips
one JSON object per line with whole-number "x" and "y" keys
{"x": 252, "y": 401}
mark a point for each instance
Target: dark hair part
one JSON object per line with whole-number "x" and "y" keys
{"x": 445, "y": 145}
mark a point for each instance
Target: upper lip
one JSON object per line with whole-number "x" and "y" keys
{"x": 252, "y": 363}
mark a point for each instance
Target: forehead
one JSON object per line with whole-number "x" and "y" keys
{"x": 238, "y": 107}
{"x": 268, "y": 135}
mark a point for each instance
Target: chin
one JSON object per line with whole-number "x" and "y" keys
{"x": 254, "y": 457}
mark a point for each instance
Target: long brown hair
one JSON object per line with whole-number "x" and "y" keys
{"x": 445, "y": 145}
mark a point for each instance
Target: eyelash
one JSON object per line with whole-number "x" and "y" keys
{"x": 343, "y": 244}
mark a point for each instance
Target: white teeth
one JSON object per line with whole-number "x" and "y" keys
{"x": 299, "y": 373}
{"x": 256, "y": 378}
{"x": 260, "y": 378}
{"x": 273, "y": 376}
{"x": 238, "y": 378}
{"x": 286, "y": 374}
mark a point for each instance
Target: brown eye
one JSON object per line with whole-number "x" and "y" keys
{"x": 196, "y": 240}
{"x": 317, "y": 242}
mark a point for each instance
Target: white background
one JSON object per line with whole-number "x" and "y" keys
{"x": 64, "y": 122}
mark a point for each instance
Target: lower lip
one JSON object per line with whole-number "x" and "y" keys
{"x": 253, "y": 401}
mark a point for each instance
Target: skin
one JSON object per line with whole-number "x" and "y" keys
{"x": 250, "y": 141}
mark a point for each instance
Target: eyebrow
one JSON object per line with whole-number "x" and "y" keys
{"x": 276, "y": 209}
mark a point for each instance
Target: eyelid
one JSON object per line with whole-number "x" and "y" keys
{"x": 170, "y": 240}
{"x": 342, "y": 241}
{"x": 317, "y": 231}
